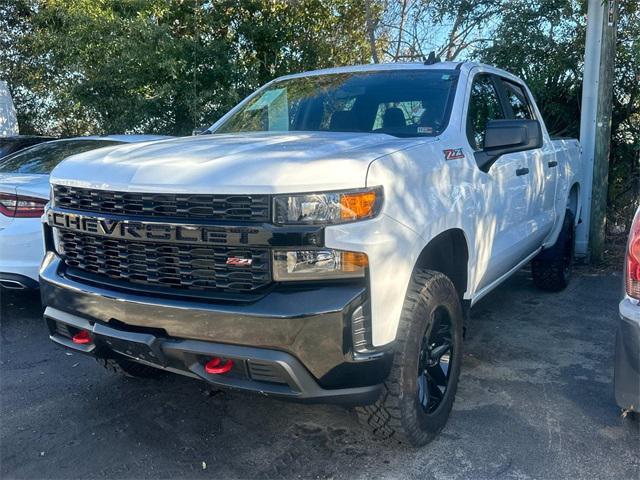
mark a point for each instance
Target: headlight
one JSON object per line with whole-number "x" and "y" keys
{"x": 327, "y": 207}
{"x": 324, "y": 264}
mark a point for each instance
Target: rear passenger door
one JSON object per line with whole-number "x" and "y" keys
{"x": 541, "y": 161}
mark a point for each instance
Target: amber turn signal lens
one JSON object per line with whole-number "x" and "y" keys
{"x": 357, "y": 205}
{"x": 354, "y": 261}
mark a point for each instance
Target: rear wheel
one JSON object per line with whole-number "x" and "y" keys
{"x": 129, "y": 368}
{"x": 418, "y": 394}
{"x": 551, "y": 269}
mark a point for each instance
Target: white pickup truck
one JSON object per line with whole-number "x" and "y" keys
{"x": 323, "y": 241}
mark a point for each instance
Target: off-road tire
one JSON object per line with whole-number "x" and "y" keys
{"x": 551, "y": 269}
{"x": 129, "y": 368}
{"x": 397, "y": 415}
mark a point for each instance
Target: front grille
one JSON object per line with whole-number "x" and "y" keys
{"x": 249, "y": 208}
{"x": 184, "y": 266}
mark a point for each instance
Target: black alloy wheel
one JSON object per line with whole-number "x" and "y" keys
{"x": 418, "y": 394}
{"x": 436, "y": 355}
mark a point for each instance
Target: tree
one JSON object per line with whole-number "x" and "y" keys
{"x": 542, "y": 41}
{"x": 167, "y": 66}
{"x": 410, "y": 29}
{"x": 624, "y": 164}
{"x": 157, "y": 66}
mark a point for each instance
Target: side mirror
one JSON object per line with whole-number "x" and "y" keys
{"x": 508, "y": 136}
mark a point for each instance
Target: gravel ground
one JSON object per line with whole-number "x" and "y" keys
{"x": 535, "y": 401}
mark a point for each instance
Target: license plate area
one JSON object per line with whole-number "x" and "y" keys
{"x": 139, "y": 346}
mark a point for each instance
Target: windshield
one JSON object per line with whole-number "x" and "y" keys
{"x": 44, "y": 157}
{"x": 400, "y": 103}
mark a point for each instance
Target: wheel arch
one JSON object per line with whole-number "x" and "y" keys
{"x": 448, "y": 253}
{"x": 573, "y": 201}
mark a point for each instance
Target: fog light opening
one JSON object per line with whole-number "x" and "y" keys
{"x": 361, "y": 328}
{"x": 83, "y": 337}
{"x": 216, "y": 366}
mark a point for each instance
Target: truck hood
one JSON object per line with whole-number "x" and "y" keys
{"x": 233, "y": 163}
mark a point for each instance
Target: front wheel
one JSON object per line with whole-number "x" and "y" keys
{"x": 418, "y": 395}
{"x": 551, "y": 269}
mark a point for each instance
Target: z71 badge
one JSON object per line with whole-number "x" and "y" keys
{"x": 453, "y": 153}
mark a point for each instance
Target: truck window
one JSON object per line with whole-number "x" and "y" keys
{"x": 403, "y": 103}
{"x": 518, "y": 100}
{"x": 484, "y": 105}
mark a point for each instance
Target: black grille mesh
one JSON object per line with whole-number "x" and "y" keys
{"x": 250, "y": 208}
{"x": 190, "y": 267}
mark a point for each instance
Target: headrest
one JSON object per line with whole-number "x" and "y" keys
{"x": 343, "y": 121}
{"x": 393, "y": 118}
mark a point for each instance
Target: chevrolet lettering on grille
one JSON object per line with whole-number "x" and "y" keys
{"x": 153, "y": 231}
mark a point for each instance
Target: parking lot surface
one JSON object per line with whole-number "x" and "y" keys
{"x": 535, "y": 401}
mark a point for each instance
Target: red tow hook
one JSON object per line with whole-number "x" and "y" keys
{"x": 216, "y": 367}
{"x": 82, "y": 337}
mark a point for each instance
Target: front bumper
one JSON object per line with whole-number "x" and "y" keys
{"x": 627, "y": 360}
{"x": 294, "y": 343}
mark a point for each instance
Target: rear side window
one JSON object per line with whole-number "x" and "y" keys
{"x": 484, "y": 105}
{"x": 518, "y": 100}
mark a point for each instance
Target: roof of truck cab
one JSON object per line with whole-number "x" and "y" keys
{"x": 376, "y": 67}
{"x": 382, "y": 67}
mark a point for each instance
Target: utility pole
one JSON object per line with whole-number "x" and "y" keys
{"x": 595, "y": 125}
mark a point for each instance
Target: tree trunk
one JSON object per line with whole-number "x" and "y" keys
{"x": 371, "y": 31}
{"x": 401, "y": 29}
{"x": 452, "y": 37}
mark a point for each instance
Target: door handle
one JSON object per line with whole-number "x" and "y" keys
{"x": 552, "y": 164}
{"x": 522, "y": 171}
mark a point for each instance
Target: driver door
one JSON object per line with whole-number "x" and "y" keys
{"x": 506, "y": 189}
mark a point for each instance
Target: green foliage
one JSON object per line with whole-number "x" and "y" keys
{"x": 109, "y": 66}
{"x": 543, "y": 42}
{"x": 624, "y": 168}
{"x": 167, "y": 66}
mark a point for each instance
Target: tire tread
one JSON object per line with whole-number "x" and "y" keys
{"x": 384, "y": 418}
{"x": 547, "y": 268}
